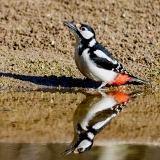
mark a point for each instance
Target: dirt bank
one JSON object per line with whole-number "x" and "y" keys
{"x": 129, "y": 29}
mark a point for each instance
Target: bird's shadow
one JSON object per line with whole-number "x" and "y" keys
{"x": 54, "y": 81}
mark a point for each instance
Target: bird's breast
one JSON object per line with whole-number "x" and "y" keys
{"x": 90, "y": 69}
{"x": 83, "y": 62}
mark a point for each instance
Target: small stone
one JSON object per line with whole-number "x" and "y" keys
{"x": 52, "y": 43}
{"x": 123, "y": 15}
{"x": 48, "y": 15}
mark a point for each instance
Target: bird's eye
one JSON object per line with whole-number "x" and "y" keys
{"x": 80, "y": 149}
{"x": 83, "y": 28}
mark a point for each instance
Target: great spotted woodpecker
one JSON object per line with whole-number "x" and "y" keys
{"x": 95, "y": 62}
{"x": 93, "y": 115}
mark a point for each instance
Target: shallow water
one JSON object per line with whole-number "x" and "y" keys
{"x": 42, "y": 125}
{"x": 22, "y": 151}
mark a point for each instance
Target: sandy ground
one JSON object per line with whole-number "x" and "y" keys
{"x": 130, "y": 30}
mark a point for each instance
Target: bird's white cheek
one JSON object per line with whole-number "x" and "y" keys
{"x": 84, "y": 144}
{"x": 87, "y": 34}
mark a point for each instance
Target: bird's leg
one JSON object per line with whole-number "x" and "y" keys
{"x": 102, "y": 85}
{"x": 99, "y": 88}
{"x": 102, "y": 93}
{"x": 91, "y": 89}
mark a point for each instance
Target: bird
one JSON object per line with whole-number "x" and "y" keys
{"x": 95, "y": 62}
{"x": 93, "y": 114}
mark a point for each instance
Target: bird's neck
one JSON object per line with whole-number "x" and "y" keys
{"x": 82, "y": 44}
{"x": 86, "y": 42}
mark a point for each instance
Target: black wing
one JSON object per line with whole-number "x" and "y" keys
{"x": 104, "y": 59}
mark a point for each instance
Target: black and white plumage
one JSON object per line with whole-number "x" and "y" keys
{"x": 95, "y": 62}
{"x": 92, "y": 116}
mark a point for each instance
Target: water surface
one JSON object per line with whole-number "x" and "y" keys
{"x": 42, "y": 125}
{"x": 23, "y": 151}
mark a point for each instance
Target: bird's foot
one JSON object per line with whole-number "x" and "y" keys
{"x": 102, "y": 85}
{"x": 92, "y": 89}
{"x": 102, "y": 93}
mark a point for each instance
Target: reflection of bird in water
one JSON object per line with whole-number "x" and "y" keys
{"x": 92, "y": 115}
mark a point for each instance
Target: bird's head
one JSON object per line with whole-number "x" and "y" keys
{"x": 82, "y": 144}
{"x": 79, "y": 147}
{"x": 82, "y": 31}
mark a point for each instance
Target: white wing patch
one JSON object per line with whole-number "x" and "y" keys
{"x": 102, "y": 123}
{"x": 101, "y": 54}
{"x": 105, "y": 103}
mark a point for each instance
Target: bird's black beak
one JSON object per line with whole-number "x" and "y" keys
{"x": 73, "y": 27}
{"x": 68, "y": 151}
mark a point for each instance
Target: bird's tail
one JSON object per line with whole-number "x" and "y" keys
{"x": 135, "y": 80}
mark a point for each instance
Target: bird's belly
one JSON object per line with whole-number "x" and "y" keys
{"x": 89, "y": 69}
